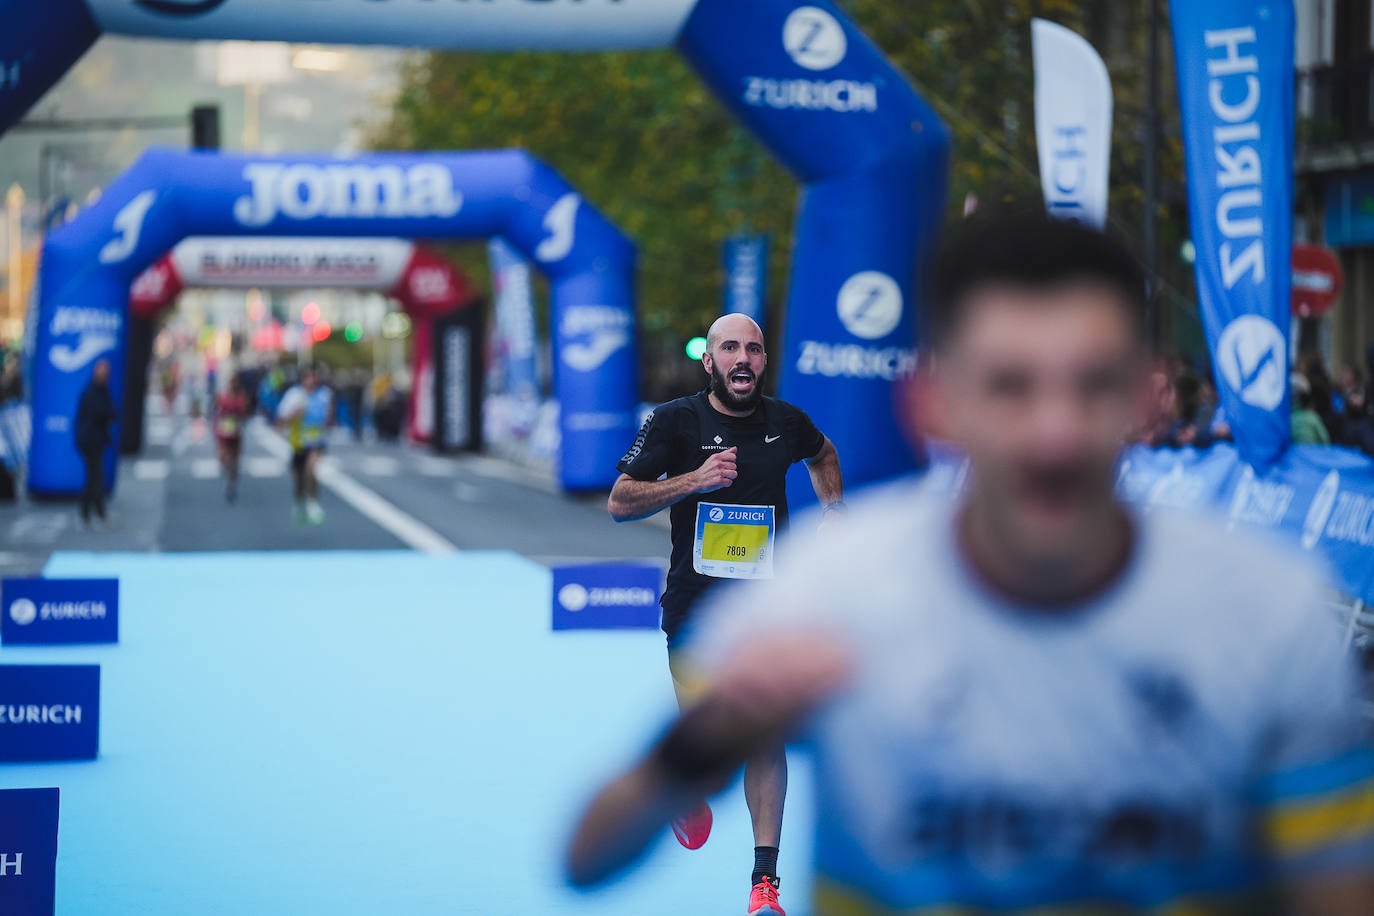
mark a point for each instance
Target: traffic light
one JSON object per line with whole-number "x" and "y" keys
{"x": 205, "y": 127}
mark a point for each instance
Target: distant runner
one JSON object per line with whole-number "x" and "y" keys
{"x": 231, "y": 412}
{"x": 307, "y": 412}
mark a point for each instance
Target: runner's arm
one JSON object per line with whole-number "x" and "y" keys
{"x": 633, "y": 499}
{"x": 751, "y": 707}
{"x": 825, "y": 474}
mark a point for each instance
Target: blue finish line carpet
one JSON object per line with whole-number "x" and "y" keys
{"x": 365, "y": 733}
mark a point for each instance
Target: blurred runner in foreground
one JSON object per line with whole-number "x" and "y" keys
{"x": 1029, "y": 697}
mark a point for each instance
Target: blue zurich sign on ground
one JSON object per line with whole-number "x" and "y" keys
{"x": 606, "y": 596}
{"x": 59, "y": 611}
{"x": 28, "y": 851}
{"x": 49, "y": 712}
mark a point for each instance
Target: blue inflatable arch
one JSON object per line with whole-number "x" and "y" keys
{"x": 89, "y": 263}
{"x": 798, "y": 73}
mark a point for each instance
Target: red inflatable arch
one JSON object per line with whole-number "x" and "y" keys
{"x": 425, "y": 284}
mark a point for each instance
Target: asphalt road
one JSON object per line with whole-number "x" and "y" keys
{"x": 377, "y": 496}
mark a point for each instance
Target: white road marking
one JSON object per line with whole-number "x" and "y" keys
{"x": 205, "y": 468}
{"x": 159, "y": 430}
{"x": 379, "y": 466}
{"x": 151, "y": 469}
{"x": 409, "y": 529}
{"x": 466, "y": 492}
{"x": 264, "y": 467}
{"x": 429, "y": 466}
{"x": 500, "y": 470}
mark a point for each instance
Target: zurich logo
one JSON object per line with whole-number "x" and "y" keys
{"x": 1320, "y": 511}
{"x": 1251, "y": 354}
{"x": 179, "y": 7}
{"x": 573, "y": 597}
{"x": 716, "y": 514}
{"x": 870, "y": 305}
{"x": 814, "y": 39}
{"x": 23, "y": 612}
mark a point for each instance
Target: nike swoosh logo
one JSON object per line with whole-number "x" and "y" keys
{"x": 768, "y": 440}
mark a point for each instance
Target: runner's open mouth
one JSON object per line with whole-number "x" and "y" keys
{"x": 741, "y": 378}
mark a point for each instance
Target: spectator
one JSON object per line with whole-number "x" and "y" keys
{"x": 1321, "y": 391}
{"x": 1307, "y": 425}
{"x": 95, "y": 415}
{"x": 1350, "y": 393}
{"x": 1184, "y": 430}
{"x": 1211, "y": 416}
{"x": 1163, "y": 408}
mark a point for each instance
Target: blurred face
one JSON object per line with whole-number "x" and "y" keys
{"x": 101, "y": 372}
{"x": 1041, "y": 388}
{"x": 309, "y": 380}
{"x": 736, "y": 360}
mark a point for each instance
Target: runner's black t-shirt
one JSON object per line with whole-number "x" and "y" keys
{"x": 679, "y": 436}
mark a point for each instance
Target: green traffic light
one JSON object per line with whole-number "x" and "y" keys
{"x": 696, "y": 347}
{"x": 353, "y": 333}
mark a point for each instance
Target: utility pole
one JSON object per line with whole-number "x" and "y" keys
{"x": 1153, "y": 323}
{"x": 14, "y": 211}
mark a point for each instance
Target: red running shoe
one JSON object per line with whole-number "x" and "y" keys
{"x": 693, "y": 828}
{"x": 763, "y": 899}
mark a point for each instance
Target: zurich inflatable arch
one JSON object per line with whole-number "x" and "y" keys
{"x": 90, "y": 263}
{"x": 871, "y": 154}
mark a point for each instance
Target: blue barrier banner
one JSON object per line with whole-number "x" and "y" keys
{"x": 1318, "y": 498}
{"x": 89, "y": 263}
{"x": 49, "y": 712}
{"x": 40, "y": 612}
{"x": 607, "y": 596}
{"x": 1235, "y": 76}
{"x": 746, "y": 276}
{"x": 28, "y": 851}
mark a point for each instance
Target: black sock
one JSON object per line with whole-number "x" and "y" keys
{"x": 765, "y": 863}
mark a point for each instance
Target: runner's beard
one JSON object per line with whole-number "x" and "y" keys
{"x": 720, "y": 387}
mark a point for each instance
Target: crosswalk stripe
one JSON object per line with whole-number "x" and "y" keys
{"x": 379, "y": 466}
{"x": 429, "y": 466}
{"x": 151, "y": 469}
{"x": 205, "y": 468}
{"x": 264, "y": 467}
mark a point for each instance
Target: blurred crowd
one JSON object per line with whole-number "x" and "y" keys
{"x": 11, "y": 374}
{"x": 360, "y": 397}
{"x": 1327, "y": 409}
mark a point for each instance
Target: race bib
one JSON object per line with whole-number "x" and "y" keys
{"x": 228, "y": 426}
{"x": 734, "y": 542}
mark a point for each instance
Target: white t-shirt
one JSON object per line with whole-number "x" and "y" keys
{"x": 1183, "y": 734}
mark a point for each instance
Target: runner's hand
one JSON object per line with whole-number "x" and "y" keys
{"x": 719, "y": 471}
